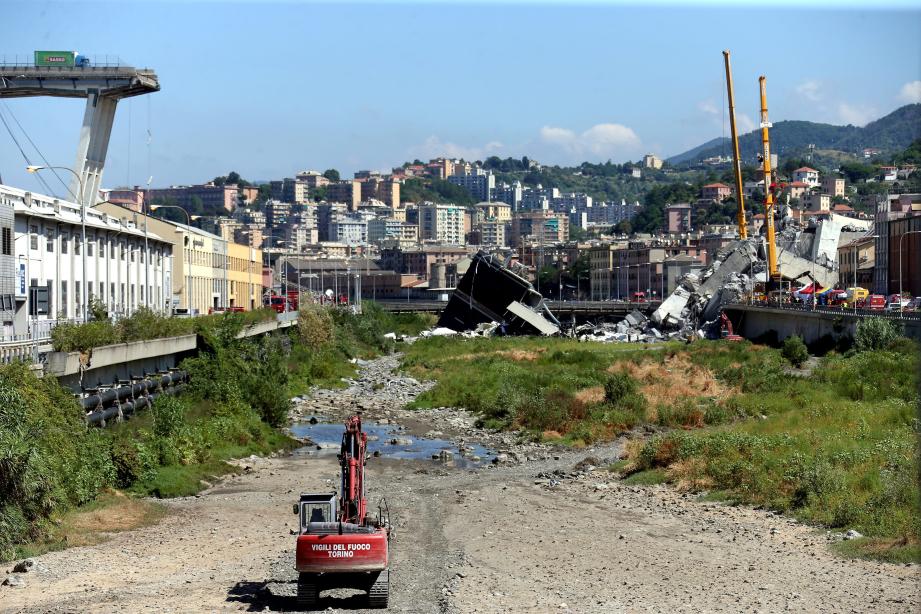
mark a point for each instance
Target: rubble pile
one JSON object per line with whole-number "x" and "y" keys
{"x": 693, "y": 309}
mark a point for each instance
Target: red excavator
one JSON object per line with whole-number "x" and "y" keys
{"x": 338, "y": 546}
{"x": 726, "y": 331}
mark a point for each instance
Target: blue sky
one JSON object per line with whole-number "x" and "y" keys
{"x": 268, "y": 88}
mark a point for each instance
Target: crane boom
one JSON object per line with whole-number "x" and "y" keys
{"x": 736, "y": 162}
{"x": 773, "y": 272}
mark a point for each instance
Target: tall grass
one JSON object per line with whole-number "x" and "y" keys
{"x": 837, "y": 448}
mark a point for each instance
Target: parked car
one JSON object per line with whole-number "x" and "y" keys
{"x": 896, "y": 302}
{"x": 914, "y": 304}
{"x": 638, "y": 297}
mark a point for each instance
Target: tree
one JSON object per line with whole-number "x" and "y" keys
{"x": 331, "y": 174}
{"x": 623, "y": 227}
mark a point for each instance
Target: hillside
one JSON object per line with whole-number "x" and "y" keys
{"x": 791, "y": 137}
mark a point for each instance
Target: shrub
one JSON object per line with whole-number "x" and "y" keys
{"x": 315, "y": 326}
{"x": 168, "y": 416}
{"x": 875, "y": 334}
{"x": 618, "y": 387}
{"x": 794, "y": 350}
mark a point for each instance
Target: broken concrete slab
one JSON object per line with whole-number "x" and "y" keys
{"x": 486, "y": 293}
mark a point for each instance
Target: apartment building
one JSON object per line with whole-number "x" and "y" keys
{"x": 807, "y": 175}
{"x": 126, "y": 265}
{"x": 717, "y": 192}
{"x": 652, "y": 161}
{"x": 347, "y": 191}
{"x": 384, "y": 189}
{"x": 442, "y": 223}
{"x": 679, "y": 218}
{"x": 479, "y": 183}
{"x": 212, "y": 197}
{"x": 542, "y": 226}
{"x": 381, "y": 228}
{"x": 833, "y": 186}
{"x": 290, "y": 190}
{"x": 509, "y": 194}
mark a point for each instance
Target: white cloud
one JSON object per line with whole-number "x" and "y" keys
{"x": 744, "y": 123}
{"x": 601, "y": 140}
{"x": 856, "y": 115}
{"x": 810, "y": 90}
{"x": 708, "y": 107}
{"x": 434, "y": 147}
{"x": 911, "y": 92}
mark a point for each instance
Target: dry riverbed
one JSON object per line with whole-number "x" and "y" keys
{"x": 531, "y": 536}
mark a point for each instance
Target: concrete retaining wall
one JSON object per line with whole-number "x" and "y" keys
{"x": 763, "y": 323}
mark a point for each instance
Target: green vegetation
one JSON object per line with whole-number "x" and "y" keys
{"x": 51, "y": 463}
{"x": 836, "y": 448}
{"x": 890, "y": 133}
{"x": 143, "y": 324}
{"x": 794, "y": 350}
{"x": 418, "y": 190}
{"x": 875, "y": 334}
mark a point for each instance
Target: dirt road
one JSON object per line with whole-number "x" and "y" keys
{"x": 535, "y": 536}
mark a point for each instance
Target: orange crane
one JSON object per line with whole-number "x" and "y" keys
{"x": 769, "y": 187}
{"x": 736, "y": 162}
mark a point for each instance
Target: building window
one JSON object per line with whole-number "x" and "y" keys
{"x": 124, "y": 249}
{"x": 65, "y": 240}
{"x": 102, "y": 291}
{"x": 7, "y": 242}
{"x": 64, "y": 297}
{"x": 77, "y": 245}
{"x": 49, "y": 240}
{"x": 102, "y": 248}
{"x": 78, "y": 296}
{"x": 89, "y": 248}
{"x": 131, "y": 250}
{"x": 33, "y": 237}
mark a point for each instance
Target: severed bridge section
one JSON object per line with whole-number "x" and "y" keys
{"x": 102, "y": 85}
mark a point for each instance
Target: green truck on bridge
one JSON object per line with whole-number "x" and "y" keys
{"x": 67, "y": 59}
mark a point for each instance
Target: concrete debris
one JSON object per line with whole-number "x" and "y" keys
{"x": 439, "y": 331}
{"x": 489, "y": 292}
{"x": 693, "y": 309}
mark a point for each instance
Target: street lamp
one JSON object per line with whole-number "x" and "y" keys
{"x": 904, "y": 234}
{"x": 857, "y": 265}
{"x": 82, "y": 203}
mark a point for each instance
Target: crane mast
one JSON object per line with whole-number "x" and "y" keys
{"x": 736, "y": 162}
{"x": 773, "y": 272}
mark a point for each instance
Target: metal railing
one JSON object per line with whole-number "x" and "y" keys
{"x": 834, "y": 311}
{"x": 28, "y": 61}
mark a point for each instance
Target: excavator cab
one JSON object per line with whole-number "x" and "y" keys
{"x": 318, "y": 507}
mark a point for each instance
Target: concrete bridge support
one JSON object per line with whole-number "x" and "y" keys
{"x": 93, "y": 145}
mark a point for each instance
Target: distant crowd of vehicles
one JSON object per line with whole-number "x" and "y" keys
{"x": 845, "y": 298}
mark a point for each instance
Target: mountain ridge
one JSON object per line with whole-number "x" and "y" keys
{"x": 889, "y": 133}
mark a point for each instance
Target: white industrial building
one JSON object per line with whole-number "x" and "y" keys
{"x": 126, "y": 267}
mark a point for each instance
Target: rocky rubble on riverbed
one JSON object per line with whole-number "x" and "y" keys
{"x": 380, "y": 392}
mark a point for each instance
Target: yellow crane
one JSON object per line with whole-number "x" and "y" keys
{"x": 736, "y": 162}
{"x": 773, "y": 271}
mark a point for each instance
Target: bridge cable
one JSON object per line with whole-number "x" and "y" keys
{"x": 41, "y": 155}
{"x": 25, "y": 156}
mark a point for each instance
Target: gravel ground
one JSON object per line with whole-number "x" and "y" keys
{"x": 531, "y": 536}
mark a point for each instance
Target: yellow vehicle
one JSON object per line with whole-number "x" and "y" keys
{"x": 856, "y": 294}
